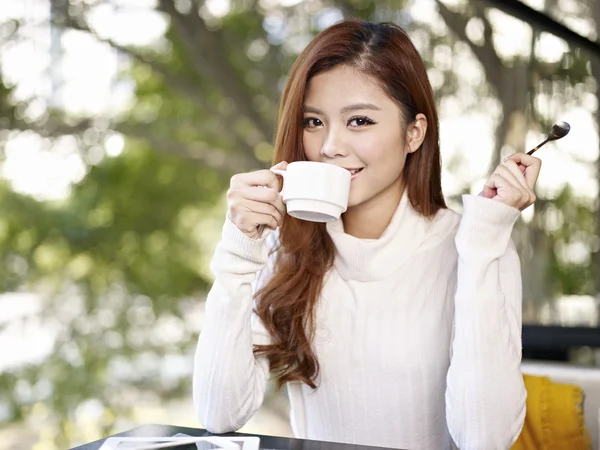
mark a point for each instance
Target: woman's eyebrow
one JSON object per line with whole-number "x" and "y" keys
{"x": 357, "y": 106}
{"x": 310, "y": 109}
{"x": 345, "y": 109}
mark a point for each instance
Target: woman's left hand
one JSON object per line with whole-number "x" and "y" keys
{"x": 513, "y": 181}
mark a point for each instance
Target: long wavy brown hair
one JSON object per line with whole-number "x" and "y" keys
{"x": 287, "y": 303}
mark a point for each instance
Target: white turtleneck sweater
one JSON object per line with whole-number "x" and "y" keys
{"x": 418, "y": 335}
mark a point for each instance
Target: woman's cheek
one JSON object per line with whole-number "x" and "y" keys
{"x": 311, "y": 146}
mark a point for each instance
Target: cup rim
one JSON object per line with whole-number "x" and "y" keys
{"x": 338, "y": 168}
{"x": 295, "y": 201}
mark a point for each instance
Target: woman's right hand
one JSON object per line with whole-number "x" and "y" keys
{"x": 254, "y": 201}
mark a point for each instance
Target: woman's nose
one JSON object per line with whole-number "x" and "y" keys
{"x": 333, "y": 146}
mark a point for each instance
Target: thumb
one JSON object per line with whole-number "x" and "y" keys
{"x": 280, "y": 165}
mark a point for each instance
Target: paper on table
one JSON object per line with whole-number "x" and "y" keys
{"x": 181, "y": 442}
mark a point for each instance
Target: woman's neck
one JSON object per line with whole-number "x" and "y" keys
{"x": 370, "y": 219}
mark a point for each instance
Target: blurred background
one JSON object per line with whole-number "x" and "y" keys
{"x": 121, "y": 122}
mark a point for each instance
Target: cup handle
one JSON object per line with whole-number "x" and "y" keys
{"x": 282, "y": 173}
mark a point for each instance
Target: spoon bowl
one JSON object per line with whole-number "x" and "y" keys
{"x": 558, "y": 131}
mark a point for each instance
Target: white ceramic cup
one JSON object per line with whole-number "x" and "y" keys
{"x": 314, "y": 191}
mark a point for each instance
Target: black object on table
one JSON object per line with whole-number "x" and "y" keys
{"x": 266, "y": 442}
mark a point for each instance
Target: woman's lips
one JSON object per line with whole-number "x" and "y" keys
{"x": 355, "y": 172}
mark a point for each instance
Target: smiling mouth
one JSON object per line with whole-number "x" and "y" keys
{"x": 355, "y": 172}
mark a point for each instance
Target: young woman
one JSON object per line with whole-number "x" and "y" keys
{"x": 398, "y": 325}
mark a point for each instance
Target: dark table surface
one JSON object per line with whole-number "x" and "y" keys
{"x": 266, "y": 442}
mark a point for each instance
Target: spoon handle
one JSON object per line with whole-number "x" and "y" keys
{"x": 533, "y": 150}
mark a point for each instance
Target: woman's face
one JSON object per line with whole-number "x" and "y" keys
{"x": 349, "y": 121}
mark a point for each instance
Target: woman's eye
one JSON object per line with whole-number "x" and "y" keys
{"x": 360, "y": 121}
{"x": 312, "y": 122}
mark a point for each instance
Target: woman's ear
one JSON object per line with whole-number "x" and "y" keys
{"x": 415, "y": 133}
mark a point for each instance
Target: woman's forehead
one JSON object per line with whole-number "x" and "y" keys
{"x": 343, "y": 90}
{"x": 346, "y": 83}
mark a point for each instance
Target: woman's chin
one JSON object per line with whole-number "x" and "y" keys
{"x": 355, "y": 199}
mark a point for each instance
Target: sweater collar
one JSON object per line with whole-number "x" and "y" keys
{"x": 375, "y": 259}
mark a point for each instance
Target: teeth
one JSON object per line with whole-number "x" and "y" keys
{"x": 353, "y": 171}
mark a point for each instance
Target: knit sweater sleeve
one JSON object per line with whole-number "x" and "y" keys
{"x": 485, "y": 394}
{"x": 229, "y": 381}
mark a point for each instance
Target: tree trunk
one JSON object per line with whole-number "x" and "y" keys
{"x": 596, "y": 74}
{"x": 514, "y": 89}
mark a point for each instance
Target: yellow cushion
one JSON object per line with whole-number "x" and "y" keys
{"x": 554, "y": 417}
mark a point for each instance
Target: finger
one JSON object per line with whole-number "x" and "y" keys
{"x": 532, "y": 165}
{"x": 519, "y": 165}
{"x": 256, "y": 178}
{"x": 496, "y": 186}
{"x": 253, "y": 223}
{"x": 244, "y": 206}
{"x": 487, "y": 192}
{"x": 279, "y": 205}
{"x": 263, "y": 194}
{"x": 257, "y": 193}
{"x": 503, "y": 180}
{"x": 524, "y": 158}
{"x": 510, "y": 178}
{"x": 490, "y": 185}
{"x": 506, "y": 192}
{"x": 516, "y": 171}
